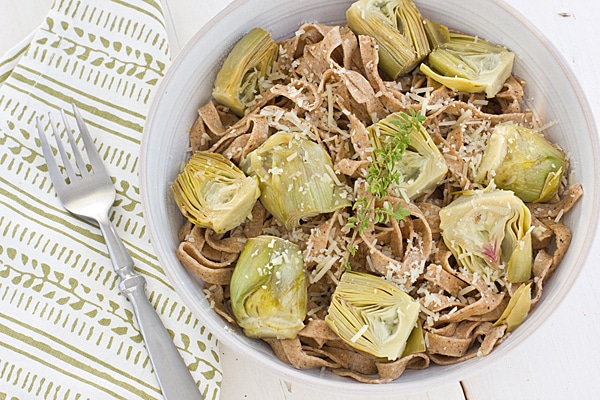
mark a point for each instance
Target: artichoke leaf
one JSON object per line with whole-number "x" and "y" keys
{"x": 397, "y": 27}
{"x": 437, "y": 34}
{"x": 517, "y": 309}
{"x": 372, "y": 315}
{"x": 416, "y": 341}
{"x": 522, "y": 160}
{"x": 469, "y": 64}
{"x": 488, "y": 232}
{"x": 297, "y": 179}
{"x": 422, "y": 167}
{"x": 212, "y": 192}
{"x": 518, "y": 241}
{"x": 251, "y": 59}
{"x": 268, "y": 288}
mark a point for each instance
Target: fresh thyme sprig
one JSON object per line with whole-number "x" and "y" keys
{"x": 382, "y": 173}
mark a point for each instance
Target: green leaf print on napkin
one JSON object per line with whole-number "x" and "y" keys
{"x": 65, "y": 330}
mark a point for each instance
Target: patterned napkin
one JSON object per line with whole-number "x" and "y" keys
{"x": 65, "y": 330}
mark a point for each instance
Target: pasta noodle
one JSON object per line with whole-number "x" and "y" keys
{"x": 326, "y": 85}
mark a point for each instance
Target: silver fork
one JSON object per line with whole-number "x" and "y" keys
{"x": 90, "y": 194}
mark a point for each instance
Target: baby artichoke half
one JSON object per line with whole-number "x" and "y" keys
{"x": 421, "y": 166}
{"x": 469, "y": 64}
{"x": 488, "y": 232}
{"x": 522, "y": 160}
{"x": 373, "y": 315}
{"x": 398, "y": 28}
{"x": 212, "y": 192}
{"x": 251, "y": 60}
{"x": 296, "y": 178}
{"x": 268, "y": 288}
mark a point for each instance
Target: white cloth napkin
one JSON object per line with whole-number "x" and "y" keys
{"x": 65, "y": 330}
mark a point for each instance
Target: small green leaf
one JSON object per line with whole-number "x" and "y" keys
{"x": 92, "y": 313}
{"x": 120, "y": 330}
{"x": 50, "y": 23}
{"x": 78, "y": 305}
{"x": 148, "y": 57}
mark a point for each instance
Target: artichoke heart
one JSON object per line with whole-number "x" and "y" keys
{"x": 268, "y": 288}
{"x": 373, "y": 315}
{"x": 398, "y": 28}
{"x": 237, "y": 82}
{"x": 421, "y": 166}
{"x": 296, "y": 178}
{"x": 469, "y": 64}
{"x": 488, "y": 232}
{"x": 522, "y": 160}
{"x": 212, "y": 192}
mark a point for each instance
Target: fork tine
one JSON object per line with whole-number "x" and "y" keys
{"x": 55, "y": 175}
{"x": 79, "y": 161}
{"x": 61, "y": 149}
{"x": 90, "y": 148}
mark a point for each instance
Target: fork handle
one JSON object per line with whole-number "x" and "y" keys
{"x": 172, "y": 373}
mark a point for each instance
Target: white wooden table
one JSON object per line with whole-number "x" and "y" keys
{"x": 560, "y": 361}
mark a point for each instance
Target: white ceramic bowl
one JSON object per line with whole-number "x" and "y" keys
{"x": 552, "y": 92}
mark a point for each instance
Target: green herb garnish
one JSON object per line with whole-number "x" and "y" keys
{"x": 382, "y": 173}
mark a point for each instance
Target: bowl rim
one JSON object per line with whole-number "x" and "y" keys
{"x": 350, "y": 386}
